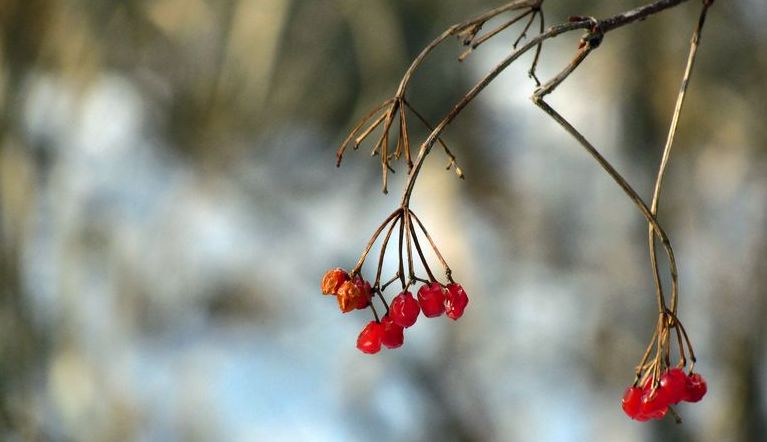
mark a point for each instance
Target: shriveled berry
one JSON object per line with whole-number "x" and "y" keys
{"x": 431, "y": 298}
{"x": 404, "y": 309}
{"x": 632, "y": 401}
{"x": 348, "y": 296}
{"x": 455, "y": 301}
{"x": 673, "y": 385}
{"x": 369, "y": 340}
{"x": 365, "y": 295}
{"x": 332, "y": 280}
{"x": 696, "y": 388}
{"x": 393, "y": 334}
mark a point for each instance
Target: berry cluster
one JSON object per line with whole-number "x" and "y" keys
{"x": 434, "y": 298}
{"x": 653, "y": 401}
{"x": 353, "y": 292}
{"x": 657, "y": 386}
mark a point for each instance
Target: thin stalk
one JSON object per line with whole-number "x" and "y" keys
{"x": 409, "y": 247}
{"x": 420, "y": 253}
{"x": 475, "y": 44}
{"x": 372, "y": 241}
{"x": 640, "y": 366}
{"x": 367, "y": 131}
{"x": 472, "y": 93}
{"x": 630, "y": 192}
{"x": 453, "y": 162}
{"x": 401, "y": 237}
{"x": 383, "y": 248}
{"x": 537, "y": 56}
{"x": 694, "y": 44}
{"x": 362, "y": 121}
{"x": 448, "y": 272}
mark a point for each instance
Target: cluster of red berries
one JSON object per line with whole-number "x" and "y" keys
{"x": 652, "y": 402}
{"x": 434, "y": 299}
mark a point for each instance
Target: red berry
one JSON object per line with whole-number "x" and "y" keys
{"x": 455, "y": 301}
{"x": 333, "y": 280}
{"x": 393, "y": 334}
{"x": 696, "y": 388}
{"x": 431, "y": 297}
{"x": 369, "y": 340}
{"x": 673, "y": 385}
{"x": 365, "y": 296}
{"x": 404, "y": 309}
{"x": 652, "y": 404}
{"x": 632, "y": 401}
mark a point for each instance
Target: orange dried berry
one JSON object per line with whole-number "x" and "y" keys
{"x": 348, "y": 296}
{"x": 333, "y": 280}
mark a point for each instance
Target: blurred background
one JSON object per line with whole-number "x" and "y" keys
{"x": 169, "y": 203}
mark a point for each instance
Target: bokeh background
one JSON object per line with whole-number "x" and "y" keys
{"x": 169, "y": 203}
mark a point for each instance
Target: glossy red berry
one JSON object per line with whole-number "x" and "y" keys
{"x": 333, "y": 280}
{"x": 431, "y": 298}
{"x": 673, "y": 385}
{"x": 455, "y": 301}
{"x": 369, "y": 340}
{"x": 632, "y": 401}
{"x": 393, "y": 334}
{"x": 404, "y": 309}
{"x": 696, "y": 388}
{"x": 363, "y": 300}
{"x": 652, "y": 404}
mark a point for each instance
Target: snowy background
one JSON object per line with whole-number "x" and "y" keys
{"x": 169, "y": 203}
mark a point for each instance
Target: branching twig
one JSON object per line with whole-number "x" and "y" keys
{"x": 649, "y": 370}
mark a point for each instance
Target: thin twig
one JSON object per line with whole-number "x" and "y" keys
{"x": 362, "y": 121}
{"x": 410, "y": 266}
{"x": 389, "y": 282}
{"x": 373, "y": 239}
{"x": 420, "y": 253}
{"x": 694, "y": 44}
{"x": 401, "y": 270}
{"x": 605, "y": 25}
{"x": 448, "y": 272}
{"x": 640, "y": 366}
{"x": 524, "y": 32}
{"x": 635, "y": 198}
{"x": 405, "y": 137}
{"x": 537, "y": 56}
{"x": 485, "y": 37}
{"x": 367, "y": 131}
{"x": 383, "y": 248}
{"x": 453, "y": 162}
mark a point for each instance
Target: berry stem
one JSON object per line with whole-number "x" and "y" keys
{"x": 401, "y": 271}
{"x": 372, "y": 241}
{"x": 682, "y": 353}
{"x": 451, "y": 157}
{"x": 408, "y": 228}
{"x": 389, "y": 282}
{"x": 375, "y": 313}
{"x": 641, "y": 366}
{"x": 694, "y": 43}
{"x": 448, "y": 272}
{"x": 493, "y": 33}
{"x": 420, "y": 253}
{"x": 383, "y": 248}
{"x": 360, "y": 124}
